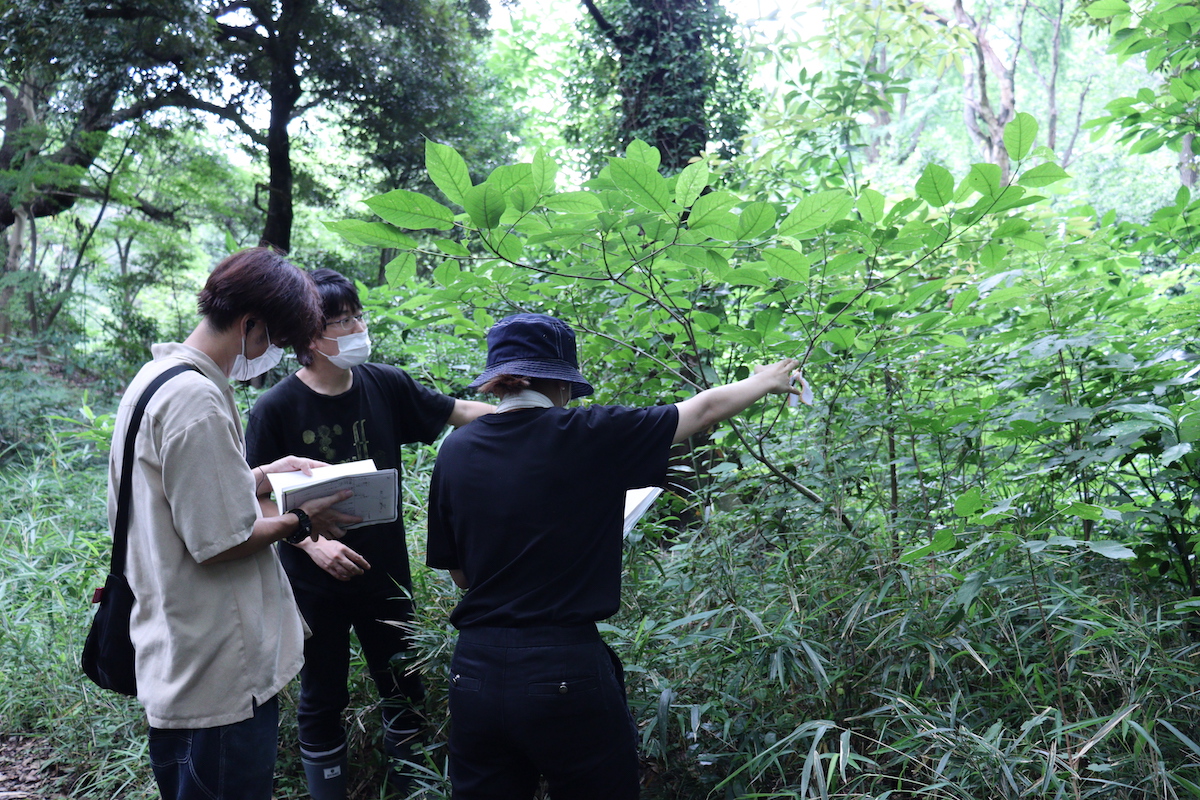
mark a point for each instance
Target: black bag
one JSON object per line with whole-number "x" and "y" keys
{"x": 108, "y": 656}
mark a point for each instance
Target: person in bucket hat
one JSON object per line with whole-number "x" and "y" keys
{"x": 525, "y": 511}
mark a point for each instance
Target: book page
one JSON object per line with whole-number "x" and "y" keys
{"x": 637, "y": 503}
{"x": 281, "y": 481}
{"x": 375, "y": 496}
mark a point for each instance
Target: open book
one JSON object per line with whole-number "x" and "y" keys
{"x": 376, "y": 491}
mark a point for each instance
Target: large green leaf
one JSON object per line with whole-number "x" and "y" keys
{"x": 1019, "y": 135}
{"x": 755, "y": 220}
{"x": 400, "y": 270}
{"x": 574, "y": 202}
{"x": 508, "y": 176}
{"x": 711, "y": 208}
{"x": 447, "y": 170}
{"x": 644, "y": 153}
{"x": 816, "y": 211}
{"x": 985, "y": 179}
{"x": 1101, "y": 9}
{"x": 543, "y": 171}
{"x": 641, "y": 183}
{"x": 485, "y": 203}
{"x": 371, "y": 234}
{"x": 410, "y": 210}
{"x": 787, "y": 263}
{"x": 1043, "y": 175}
{"x": 691, "y": 183}
{"x": 936, "y": 185}
{"x": 870, "y": 206}
{"x": 969, "y": 502}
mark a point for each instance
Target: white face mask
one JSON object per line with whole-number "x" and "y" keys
{"x": 246, "y": 368}
{"x": 353, "y": 349}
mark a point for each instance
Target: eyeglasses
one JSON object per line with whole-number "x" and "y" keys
{"x": 348, "y": 323}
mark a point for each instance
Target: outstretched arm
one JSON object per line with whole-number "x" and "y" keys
{"x": 722, "y": 402}
{"x": 467, "y": 410}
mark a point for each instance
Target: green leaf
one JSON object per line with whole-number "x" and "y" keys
{"x": 943, "y": 540}
{"x": 506, "y": 177}
{"x": 816, "y": 211}
{"x": 755, "y": 220}
{"x": 1043, "y": 175}
{"x": 1107, "y": 8}
{"x": 644, "y": 153}
{"x": 447, "y": 170}
{"x": 641, "y": 183}
{"x": 936, "y": 185}
{"x": 870, "y": 206}
{"x": 1085, "y": 511}
{"x": 969, "y": 502}
{"x": 543, "y": 171}
{"x": 485, "y": 203}
{"x": 1030, "y": 241}
{"x": 691, "y": 183}
{"x": 452, "y": 248}
{"x": 412, "y": 211}
{"x": 574, "y": 202}
{"x": 371, "y": 234}
{"x": 787, "y": 263}
{"x": 985, "y": 179}
{"x": 522, "y": 198}
{"x": 509, "y": 247}
{"x": 1019, "y": 135}
{"x": 401, "y": 269}
{"x": 710, "y": 209}
{"x": 1176, "y": 452}
{"x": 1110, "y": 549}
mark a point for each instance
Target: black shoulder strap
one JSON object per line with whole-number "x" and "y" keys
{"x": 121, "y": 525}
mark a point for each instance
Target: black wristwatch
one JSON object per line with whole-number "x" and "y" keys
{"x": 305, "y": 529}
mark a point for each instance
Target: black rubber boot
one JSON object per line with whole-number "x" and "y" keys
{"x": 398, "y": 747}
{"x": 327, "y": 775}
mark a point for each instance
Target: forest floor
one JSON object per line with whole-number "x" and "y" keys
{"x": 27, "y": 770}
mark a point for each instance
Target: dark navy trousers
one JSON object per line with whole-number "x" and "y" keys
{"x": 229, "y": 762}
{"x": 324, "y": 692}
{"x": 537, "y": 701}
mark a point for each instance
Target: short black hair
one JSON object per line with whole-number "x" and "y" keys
{"x": 338, "y": 293}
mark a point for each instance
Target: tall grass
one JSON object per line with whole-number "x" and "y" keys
{"x": 767, "y": 656}
{"x": 54, "y": 547}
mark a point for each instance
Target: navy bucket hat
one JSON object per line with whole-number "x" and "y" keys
{"x": 533, "y": 346}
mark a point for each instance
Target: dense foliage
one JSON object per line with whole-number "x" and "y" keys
{"x": 968, "y": 571}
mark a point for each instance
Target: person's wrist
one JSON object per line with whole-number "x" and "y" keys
{"x": 303, "y": 529}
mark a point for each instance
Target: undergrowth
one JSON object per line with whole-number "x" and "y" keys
{"x": 782, "y": 657}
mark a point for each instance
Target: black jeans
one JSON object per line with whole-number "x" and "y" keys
{"x": 324, "y": 694}
{"x": 548, "y": 701}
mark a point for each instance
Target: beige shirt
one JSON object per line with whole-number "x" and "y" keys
{"x": 210, "y": 640}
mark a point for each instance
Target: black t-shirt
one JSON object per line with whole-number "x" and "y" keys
{"x": 383, "y": 409}
{"x": 529, "y": 505}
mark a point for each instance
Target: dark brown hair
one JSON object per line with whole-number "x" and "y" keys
{"x": 262, "y": 283}
{"x": 505, "y": 384}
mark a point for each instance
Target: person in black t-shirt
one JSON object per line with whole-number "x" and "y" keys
{"x": 525, "y": 511}
{"x": 338, "y": 408}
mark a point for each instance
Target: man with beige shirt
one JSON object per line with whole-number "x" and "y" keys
{"x": 215, "y": 626}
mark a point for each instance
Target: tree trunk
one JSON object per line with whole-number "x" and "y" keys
{"x": 1187, "y": 161}
{"x": 285, "y": 90}
{"x": 662, "y": 85}
{"x": 12, "y": 264}
{"x": 985, "y": 121}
